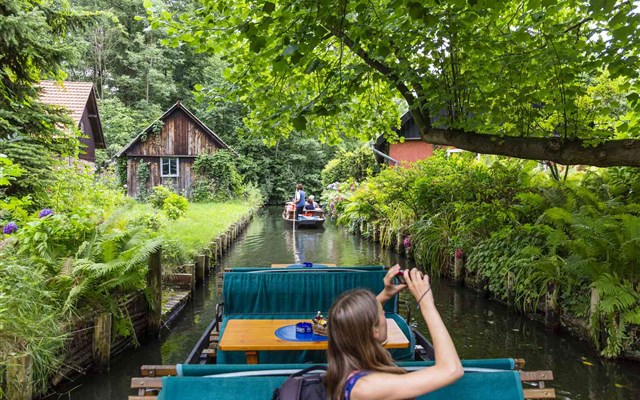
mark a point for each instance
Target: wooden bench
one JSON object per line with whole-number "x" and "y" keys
{"x": 149, "y": 385}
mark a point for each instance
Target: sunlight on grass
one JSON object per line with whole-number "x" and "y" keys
{"x": 202, "y": 223}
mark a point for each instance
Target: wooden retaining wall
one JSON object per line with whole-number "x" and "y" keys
{"x": 91, "y": 344}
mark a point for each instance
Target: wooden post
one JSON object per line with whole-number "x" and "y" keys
{"x": 191, "y": 270}
{"x": 593, "y": 305}
{"x": 102, "y": 342}
{"x": 595, "y": 300}
{"x": 200, "y": 269}
{"x": 207, "y": 265}
{"x": 361, "y": 227}
{"x": 374, "y": 233}
{"x": 399, "y": 244}
{"x": 225, "y": 242}
{"x": 219, "y": 247}
{"x": 154, "y": 281}
{"x": 214, "y": 254}
{"x": 458, "y": 270}
{"x": 550, "y": 312}
{"x": 20, "y": 377}
{"x": 511, "y": 287}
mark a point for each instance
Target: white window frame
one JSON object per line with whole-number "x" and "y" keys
{"x": 177, "y": 174}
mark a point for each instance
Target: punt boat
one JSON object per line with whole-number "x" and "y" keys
{"x": 309, "y": 219}
{"x": 298, "y": 292}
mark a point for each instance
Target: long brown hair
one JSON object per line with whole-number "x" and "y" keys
{"x": 352, "y": 344}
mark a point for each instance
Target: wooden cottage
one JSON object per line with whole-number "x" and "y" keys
{"x": 79, "y": 99}
{"x": 168, "y": 147}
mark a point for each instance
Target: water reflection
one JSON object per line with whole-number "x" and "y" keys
{"x": 480, "y": 328}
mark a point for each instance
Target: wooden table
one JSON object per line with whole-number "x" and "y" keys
{"x": 253, "y": 335}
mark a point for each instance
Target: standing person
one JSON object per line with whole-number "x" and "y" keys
{"x": 299, "y": 199}
{"x": 359, "y": 368}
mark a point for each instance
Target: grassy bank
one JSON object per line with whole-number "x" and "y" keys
{"x": 201, "y": 223}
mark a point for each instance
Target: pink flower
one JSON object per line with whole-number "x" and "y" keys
{"x": 459, "y": 253}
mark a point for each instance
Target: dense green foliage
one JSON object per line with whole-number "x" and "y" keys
{"x": 521, "y": 70}
{"x": 218, "y": 177}
{"x": 520, "y": 230}
{"x": 71, "y": 243}
{"x": 359, "y": 165}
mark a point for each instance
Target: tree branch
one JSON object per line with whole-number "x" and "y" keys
{"x": 411, "y": 100}
{"x": 622, "y": 152}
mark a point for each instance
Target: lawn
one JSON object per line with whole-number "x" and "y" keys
{"x": 202, "y": 223}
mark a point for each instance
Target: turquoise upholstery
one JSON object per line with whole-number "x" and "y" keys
{"x": 321, "y": 266}
{"x": 294, "y": 291}
{"x": 211, "y": 369}
{"x": 258, "y": 293}
{"x": 504, "y": 385}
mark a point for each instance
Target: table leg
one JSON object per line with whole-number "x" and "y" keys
{"x": 252, "y": 357}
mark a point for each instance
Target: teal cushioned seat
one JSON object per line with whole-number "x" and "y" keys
{"x": 212, "y": 369}
{"x": 295, "y": 266}
{"x": 283, "y": 294}
{"x": 503, "y": 385}
{"x": 294, "y": 291}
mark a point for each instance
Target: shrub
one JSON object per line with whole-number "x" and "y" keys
{"x": 358, "y": 165}
{"x": 175, "y": 206}
{"x": 158, "y": 195}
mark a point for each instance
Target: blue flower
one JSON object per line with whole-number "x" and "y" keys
{"x": 45, "y": 212}
{"x": 10, "y": 228}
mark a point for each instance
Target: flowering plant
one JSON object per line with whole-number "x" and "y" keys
{"x": 45, "y": 212}
{"x": 459, "y": 253}
{"x": 10, "y": 228}
{"x": 337, "y": 195}
{"x": 407, "y": 242}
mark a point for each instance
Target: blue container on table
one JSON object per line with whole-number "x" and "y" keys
{"x": 304, "y": 329}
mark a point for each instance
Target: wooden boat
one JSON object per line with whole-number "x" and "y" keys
{"x": 308, "y": 219}
{"x": 252, "y": 293}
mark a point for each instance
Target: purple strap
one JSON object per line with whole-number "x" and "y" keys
{"x": 351, "y": 382}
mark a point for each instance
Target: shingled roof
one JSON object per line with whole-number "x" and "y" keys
{"x": 76, "y": 97}
{"x": 73, "y": 95}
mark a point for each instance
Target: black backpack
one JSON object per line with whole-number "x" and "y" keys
{"x": 303, "y": 385}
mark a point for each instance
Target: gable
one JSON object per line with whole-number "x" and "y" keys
{"x": 177, "y": 133}
{"x": 79, "y": 99}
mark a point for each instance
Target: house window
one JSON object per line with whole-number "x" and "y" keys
{"x": 168, "y": 167}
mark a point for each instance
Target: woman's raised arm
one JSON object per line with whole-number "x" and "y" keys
{"x": 447, "y": 368}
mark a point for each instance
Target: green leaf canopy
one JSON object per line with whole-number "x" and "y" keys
{"x": 538, "y": 79}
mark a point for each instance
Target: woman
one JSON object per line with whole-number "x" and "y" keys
{"x": 299, "y": 200}
{"x": 309, "y": 206}
{"x": 359, "y": 368}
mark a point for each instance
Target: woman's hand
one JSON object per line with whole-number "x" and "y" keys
{"x": 419, "y": 286}
{"x": 390, "y": 289}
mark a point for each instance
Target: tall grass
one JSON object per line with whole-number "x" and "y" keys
{"x": 202, "y": 222}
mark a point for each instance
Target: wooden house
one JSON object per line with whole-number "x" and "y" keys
{"x": 168, "y": 147}
{"x": 79, "y": 98}
{"x": 411, "y": 150}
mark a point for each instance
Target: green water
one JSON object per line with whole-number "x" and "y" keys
{"x": 480, "y": 328}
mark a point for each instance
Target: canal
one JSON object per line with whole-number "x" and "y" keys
{"x": 480, "y": 328}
